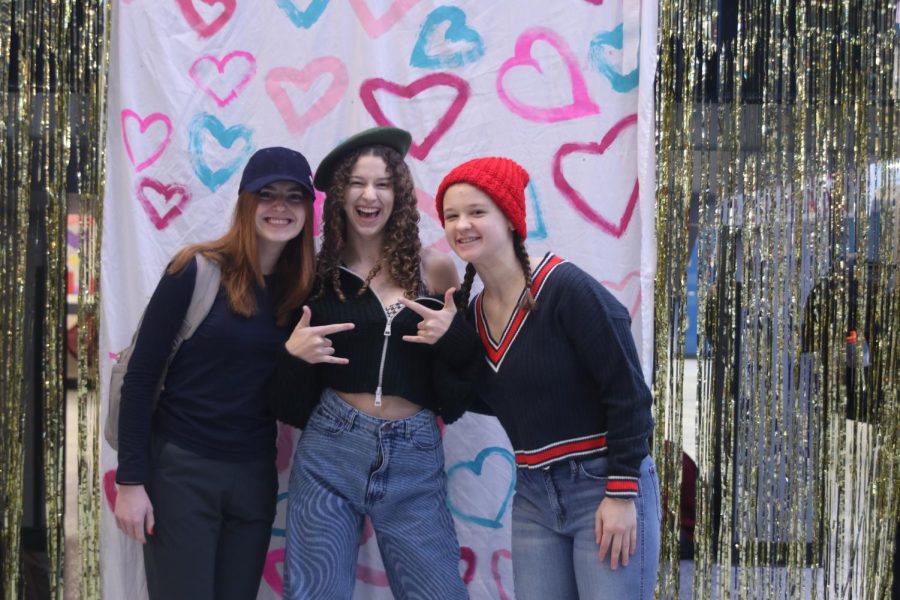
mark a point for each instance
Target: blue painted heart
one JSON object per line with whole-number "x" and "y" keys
{"x": 490, "y": 517}
{"x": 460, "y": 45}
{"x": 226, "y": 137}
{"x": 303, "y": 18}
{"x": 621, "y": 82}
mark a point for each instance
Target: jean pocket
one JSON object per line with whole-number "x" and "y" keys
{"x": 426, "y": 437}
{"x": 594, "y": 468}
{"x": 324, "y": 421}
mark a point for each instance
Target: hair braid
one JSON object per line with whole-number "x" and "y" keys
{"x": 528, "y": 303}
{"x": 465, "y": 290}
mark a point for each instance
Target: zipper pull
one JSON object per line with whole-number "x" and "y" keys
{"x": 378, "y": 396}
{"x": 387, "y": 328}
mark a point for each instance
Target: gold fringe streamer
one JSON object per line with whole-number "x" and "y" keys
{"x": 783, "y": 140}
{"x": 59, "y": 67}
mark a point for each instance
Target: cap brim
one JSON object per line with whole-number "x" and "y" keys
{"x": 392, "y": 137}
{"x": 261, "y": 182}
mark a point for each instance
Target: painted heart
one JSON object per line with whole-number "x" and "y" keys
{"x": 166, "y": 203}
{"x": 376, "y": 26}
{"x": 467, "y": 557}
{"x": 280, "y": 531}
{"x": 628, "y": 287}
{"x": 109, "y": 488}
{"x": 226, "y": 138}
{"x": 205, "y": 26}
{"x": 594, "y": 2}
{"x": 285, "y": 447}
{"x": 621, "y": 82}
{"x": 280, "y": 77}
{"x": 303, "y": 18}
{"x": 460, "y": 45}
{"x": 272, "y": 575}
{"x": 506, "y": 555}
{"x": 430, "y": 229}
{"x": 536, "y": 230}
{"x": 581, "y": 105}
{"x": 484, "y": 516}
{"x": 421, "y": 149}
{"x": 613, "y": 228}
{"x": 158, "y": 146}
{"x": 224, "y": 79}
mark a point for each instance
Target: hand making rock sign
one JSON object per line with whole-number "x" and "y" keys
{"x": 434, "y": 323}
{"x": 311, "y": 344}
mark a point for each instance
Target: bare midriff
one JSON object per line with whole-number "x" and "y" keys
{"x": 392, "y": 407}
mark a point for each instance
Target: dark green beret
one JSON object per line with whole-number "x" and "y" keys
{"x": 392, "y": 137}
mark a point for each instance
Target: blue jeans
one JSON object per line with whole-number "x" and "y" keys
{"x": 349, "y": 464}
{"x": 554, "y": 550}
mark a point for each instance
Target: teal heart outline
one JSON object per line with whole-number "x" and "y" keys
{"x": 457, "y": 32}
{"x": 621, "y": 82}
{"x": 226, "y": 138}
{"x": 303, "y": 18}
{"x": 475, "y": 467}
{"x": 540, "y": 228}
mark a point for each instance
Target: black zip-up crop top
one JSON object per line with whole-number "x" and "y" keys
{"x": 439, "y": 377}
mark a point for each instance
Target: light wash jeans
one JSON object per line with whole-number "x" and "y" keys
{"x": 554, "y": 550}
{"x": 349, "y": 464}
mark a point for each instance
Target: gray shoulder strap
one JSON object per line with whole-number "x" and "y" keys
{"x": 206, "y": 287}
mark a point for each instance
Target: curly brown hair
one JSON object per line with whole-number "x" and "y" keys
{"x": 401, "y": 246}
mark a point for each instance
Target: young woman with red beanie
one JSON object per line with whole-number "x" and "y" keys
{"x": 562, "y": 376}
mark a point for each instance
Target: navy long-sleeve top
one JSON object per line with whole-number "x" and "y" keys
{"x": 565, "y": 380}
{"x": 212, "y": 403}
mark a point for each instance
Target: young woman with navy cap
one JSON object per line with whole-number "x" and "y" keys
{"x": 197, "y": 479}
{"x": 562, "y": 376}
{"x": 377, "y": 355}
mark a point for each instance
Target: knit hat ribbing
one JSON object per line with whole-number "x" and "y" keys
{"x": 502, "y": 179}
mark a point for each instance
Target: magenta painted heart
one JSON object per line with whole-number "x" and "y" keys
{"x": 468, "y": 558}
{"x": 212, "y": 75}
{"x": 278, "y": 78}
{"x": 375, "y": 26}
{"x": 495, "y": 571}
{"x": 629, "y": 287}
{"x": 419, "y": 149}
{"x": 614, "y": 227}
{"x": 173, "y": 196}
{"x": 285, "y": 447}
{"x": 203, "y": 27}
{"x": 109, "y": 488}
{"x": 581, "y": 105}
{"x": 145, "y": 158}
{"x": 271, "y": 574}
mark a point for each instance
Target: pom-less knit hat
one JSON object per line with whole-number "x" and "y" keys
{"x": 392, "y": 137}
{"x": 502, "y": 179}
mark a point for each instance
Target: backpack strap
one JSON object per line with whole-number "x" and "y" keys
{"x": 206, "y": 288}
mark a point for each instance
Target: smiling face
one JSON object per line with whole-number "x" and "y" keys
{"x": 281, "y": 212}
{"x": 475, "y": 227}
{"x": 368, "y": 197}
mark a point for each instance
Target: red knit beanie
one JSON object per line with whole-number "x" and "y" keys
{"x": 502, "y": 179}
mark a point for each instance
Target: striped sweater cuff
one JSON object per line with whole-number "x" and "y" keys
{"x": 618, "y": 486}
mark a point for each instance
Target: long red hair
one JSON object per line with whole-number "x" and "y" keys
{"x": 237, "y": 255}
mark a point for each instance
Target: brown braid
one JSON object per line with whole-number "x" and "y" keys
{"x": 465, "y": 290}
{"x": 401, "y": 247}
{"x": 527, "y": 303}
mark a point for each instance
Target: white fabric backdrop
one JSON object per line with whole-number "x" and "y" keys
{"x": 564, "y": 88}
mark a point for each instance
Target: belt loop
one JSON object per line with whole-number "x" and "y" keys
{"x": 573, "y": 465}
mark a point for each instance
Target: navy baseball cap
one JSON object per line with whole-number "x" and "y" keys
{"x": 269, "y": 165}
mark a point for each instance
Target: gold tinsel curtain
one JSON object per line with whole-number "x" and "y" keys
{"x": 52, "y": 121}
{"x": 780, "y": 136}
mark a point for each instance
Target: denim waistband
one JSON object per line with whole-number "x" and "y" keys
{"x": 339, "y": 408}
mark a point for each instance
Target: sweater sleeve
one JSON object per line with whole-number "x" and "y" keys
{"x": 454, "y": 384}
{"x": 592, "y": 320}
{"x": 162, "y": 319}
{"x": 293, "y": 390}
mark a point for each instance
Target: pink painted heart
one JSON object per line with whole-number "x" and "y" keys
{"x": 495, "y": 571}
{"x": 145, "y": 158}
{"x": 280, "y": 77}
{"x": 419, "y": 149}
{"x": 628, "y": 287}
{"x": 271, "y": 574}
{"x": 109, "y": 488}
{"x": 224, "y": 79}
{"x": 207, "y": 27}
{"x": 581, "y": 105}
{"x": 285, "y": 447}
{"x": 376, "y": 26}
{"x": 167, "y": 203}
{"x": 430, "y": 228}
{"x": 613, "y": 227}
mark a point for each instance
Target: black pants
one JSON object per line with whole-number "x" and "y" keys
{"x": 213, "y": 524}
